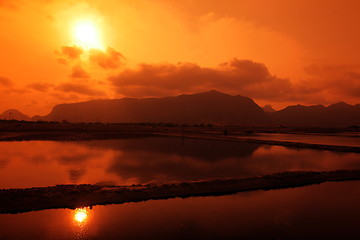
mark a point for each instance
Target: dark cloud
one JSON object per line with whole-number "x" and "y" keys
{"x": 236, "y": 76}
{"x": 79, "y": 88}
{"x": 330, "y": 69}
{"x": 69, "y": 53}
{"x": 75, "y": 175}
{"x": 325, "y": 83}
{"x": 79, "y": 72}
{"x": 73, "y": 52}
{"x": 334, "y": 79}
{"x": 6, "y": 82}
{"x": 66, "y": 97}
{"x": 75, "y": 55}
{"x": 40, "y": 86}
{"x": 109, "y": 59}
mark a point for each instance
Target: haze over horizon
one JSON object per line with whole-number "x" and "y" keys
{"x": 276, "y": 52}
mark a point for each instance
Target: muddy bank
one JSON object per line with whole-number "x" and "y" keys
{"x": 72, "y": 196}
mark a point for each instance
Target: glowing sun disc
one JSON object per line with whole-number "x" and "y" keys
{"x": 87, "y": 35}
{"x": 80, "y": 215}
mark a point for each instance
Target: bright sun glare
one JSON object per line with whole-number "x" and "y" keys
{"x": 87, "y": 35}
{"x": 80, "y": 215}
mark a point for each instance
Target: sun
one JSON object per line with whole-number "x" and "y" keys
{"x": 87, "y": 35}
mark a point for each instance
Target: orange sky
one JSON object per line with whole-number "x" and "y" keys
{"x": 278, "y": 52}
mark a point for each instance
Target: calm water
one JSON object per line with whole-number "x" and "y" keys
{"x": 352, "y": 140}
{"x": 155, "y": 159}
{"x": 326, "y": 211}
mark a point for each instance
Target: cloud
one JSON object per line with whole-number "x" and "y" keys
{"x": 73, "y": 52}
{"x": 69, "y": 53}
{"x": 40, "y": 86}
{"x": 76, "y": 56}
{"x": 75, "y": 175}
{"x": 324, "y": 83}
{"x": 6, "y": 82}
{"x": 338, "y": 79}
{"x": 62, "y": 96}
{"x": 109, "y": 59}
{"x": 79, "y": 72}
{"x": 236, "y": 76}
{"x": 8, "y": 86}
{"x": 79, "y": 88}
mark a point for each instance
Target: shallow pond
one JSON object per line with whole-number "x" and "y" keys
{"x": 325, "y": 211}
{"x": 349, "y": 140}
{"x": 153, "y": 160}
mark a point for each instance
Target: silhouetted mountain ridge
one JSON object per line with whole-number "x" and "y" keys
{"x": 13, "y": 114}
{"x": 336, "y": 115}
{"x": 207, "y": 107}
{"x": 268, "y": 109}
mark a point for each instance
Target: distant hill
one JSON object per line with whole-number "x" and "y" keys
{"x": 337, "y": 115}
{"x": 208, "y": 107}
{"x": 13, "y": 114}
{"x": 268, "y": 109}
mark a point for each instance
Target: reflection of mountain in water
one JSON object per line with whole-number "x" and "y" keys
{"x": 167, "y": 159}
{"x": 205, "y": 150}
{"x": 154, "y": 159}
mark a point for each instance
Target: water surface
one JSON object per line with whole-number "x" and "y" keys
{"x": 325, "y": 211}
{"x": 153, "y": 160}
{"x": 349, "y": 140}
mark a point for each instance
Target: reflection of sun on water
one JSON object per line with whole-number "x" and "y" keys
{"x": 81, "y": 215}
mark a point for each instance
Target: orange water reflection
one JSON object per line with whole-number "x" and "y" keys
{"x": 323, "y": 211}
{"x": 157, "y": 160}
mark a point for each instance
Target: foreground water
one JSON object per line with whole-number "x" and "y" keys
{"x": 326, "y": 211}
{"x": 153, "y": 160}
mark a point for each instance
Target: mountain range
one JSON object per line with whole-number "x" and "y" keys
{"x": 208, "y": 107}
{"x": 336, "y": 115}
{"x": 14, "y": 114}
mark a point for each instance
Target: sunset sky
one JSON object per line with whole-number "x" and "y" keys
{"x": 277, "y": 52}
